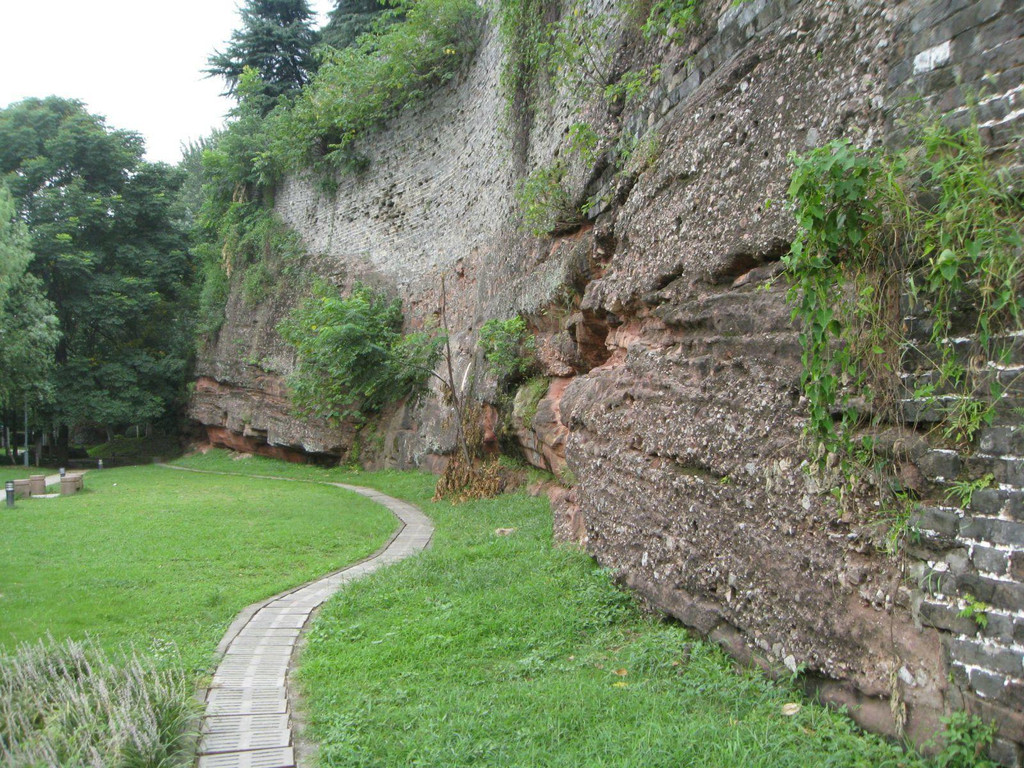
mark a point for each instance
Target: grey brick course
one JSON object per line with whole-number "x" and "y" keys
{"x": 988, "y": 657}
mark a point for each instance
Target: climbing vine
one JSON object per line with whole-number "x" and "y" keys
{"x": 844, "y": 246}
{"x": 524, "y": 33}
{"x": 939, "y": 224}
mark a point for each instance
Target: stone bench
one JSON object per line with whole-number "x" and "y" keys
{"x": 37, "y": 484}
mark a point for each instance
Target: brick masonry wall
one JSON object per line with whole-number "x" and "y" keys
{"x": 964, "y": 60}
{"x": 970, "y": 547}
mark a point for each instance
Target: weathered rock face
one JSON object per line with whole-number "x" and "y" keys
{"x": 674, "y": 399}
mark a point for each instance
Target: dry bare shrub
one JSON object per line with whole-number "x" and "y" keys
{"x": 462, "y": 482}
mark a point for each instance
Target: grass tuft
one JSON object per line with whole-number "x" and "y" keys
{"x": 69, "y": 704}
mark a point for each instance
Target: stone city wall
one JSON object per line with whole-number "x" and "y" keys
{"x": 674, "y": 399}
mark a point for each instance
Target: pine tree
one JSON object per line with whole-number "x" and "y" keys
{"x": 276, "y": 40}
{"x": 350, "y": 19}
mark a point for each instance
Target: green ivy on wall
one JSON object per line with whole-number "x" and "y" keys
{"x": 938, "y": 221}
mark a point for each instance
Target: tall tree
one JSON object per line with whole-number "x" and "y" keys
{"x": 276, "y": 40}
{"x": 110, "y": 256}
{"x": 28, "y": 326}
{"x": 349, "y": 20}
{"x": 15, "y": 254}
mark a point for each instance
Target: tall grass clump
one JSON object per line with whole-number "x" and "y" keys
{"x": 66, "y": 703}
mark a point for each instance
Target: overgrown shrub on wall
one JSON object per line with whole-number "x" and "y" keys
{"x": 672, "y": 18}
{"x": 353, "y": 359}
{"x": 244, "y": 237}
{"x": 509, "y": 350}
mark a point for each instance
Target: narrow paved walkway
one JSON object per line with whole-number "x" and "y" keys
{"x": 247, "y": 722}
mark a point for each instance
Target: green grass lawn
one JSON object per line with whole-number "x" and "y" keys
{"x": 19, "y": 472}
{"x": 506, "y": 651}
{"x": 157, "y": 557}
{"x": 217, "y": 460}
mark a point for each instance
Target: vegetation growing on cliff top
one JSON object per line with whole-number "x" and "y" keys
{"x": 413, "y": 47}
{"x": 282, "y": 123}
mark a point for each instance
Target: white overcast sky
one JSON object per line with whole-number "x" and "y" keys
{"x": 137, "y": 62}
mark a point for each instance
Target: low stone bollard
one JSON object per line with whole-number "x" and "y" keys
{"x": 37, "y": 484}
{"x": 70, "y": 484}
{"x": 21, "y": 489}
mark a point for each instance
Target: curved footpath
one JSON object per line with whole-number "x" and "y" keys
{"x": 247, "y": 722}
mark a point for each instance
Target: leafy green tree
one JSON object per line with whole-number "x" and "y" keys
{"x": 15, "y": 254}
{"x": 111, "y": 256}
{"x": 276, "y": 40}
{"x": 28, "y": 326}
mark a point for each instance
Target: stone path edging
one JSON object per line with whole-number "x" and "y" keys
{"x": 248, "y": 718}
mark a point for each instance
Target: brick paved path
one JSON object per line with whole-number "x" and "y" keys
{"x": 247, "y": 722}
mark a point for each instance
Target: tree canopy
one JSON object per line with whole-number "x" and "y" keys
{"x": 276, "y": 40}
{"x": 349, "y": 20}
{"x": 109, "y": 253}
{"x": 28, "y": 326}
